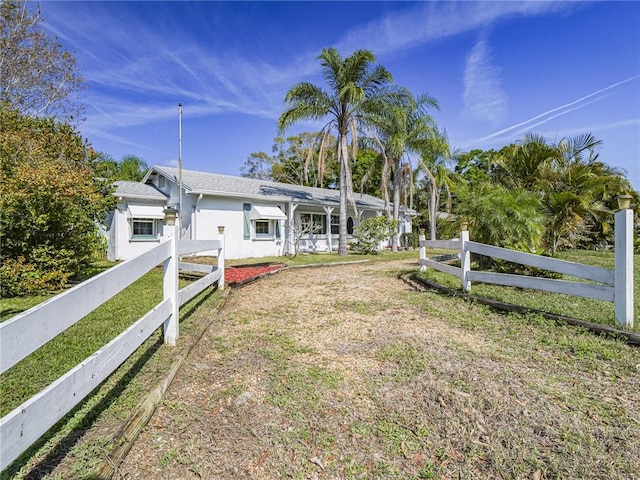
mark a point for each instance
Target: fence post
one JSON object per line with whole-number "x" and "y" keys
{"x": 221, "y": 258}
{"x": 624, "y": 267}
{"x": 465, "y": 259}
{"x": 423, "y": 250}
{"x": 170, "y": 278}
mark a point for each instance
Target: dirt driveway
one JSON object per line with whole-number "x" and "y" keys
{"x": 345, "y": 372}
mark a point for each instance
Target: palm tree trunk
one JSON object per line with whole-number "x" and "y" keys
{"x": 344, "y": 164}
{"x": 432, "y": 207}
{"x": 397, "y": 182}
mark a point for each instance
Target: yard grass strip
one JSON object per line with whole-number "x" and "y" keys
{"x": 589, "y": 310}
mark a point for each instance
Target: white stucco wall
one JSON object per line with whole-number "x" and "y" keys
{"x": 121, "y": 245}
{"x": 213, "y": 212}
{"x": 203, "y": 214}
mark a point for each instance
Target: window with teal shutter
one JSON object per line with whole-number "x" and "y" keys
{"x": 246, "y": 207}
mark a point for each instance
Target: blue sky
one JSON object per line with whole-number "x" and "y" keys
{"x": 498, "y": 70}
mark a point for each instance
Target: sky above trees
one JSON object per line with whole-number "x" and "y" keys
{"x": 498, "y": 70}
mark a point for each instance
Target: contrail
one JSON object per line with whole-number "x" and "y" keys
{"x": 581, "y": 99}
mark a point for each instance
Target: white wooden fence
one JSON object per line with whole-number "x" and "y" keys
{"x": 612, "y": 285}
{"x": 28, "y": 331}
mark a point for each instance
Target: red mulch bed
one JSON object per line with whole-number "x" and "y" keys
{"x": 245, "y": 274}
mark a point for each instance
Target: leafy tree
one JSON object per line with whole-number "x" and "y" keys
{"x": 575, "y": 187}
{"x": 368, "y": 171}
{"x": 50, "y": 203}
{"x": 132, "y": 168}
{"x": 39, "y": 77}
{"x": 476, "y": 166}
{"x": 258, "y": 165}
{"x": 356, "y": 87}
{"x": 299, "y": 160}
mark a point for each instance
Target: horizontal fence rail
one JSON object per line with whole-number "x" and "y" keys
{"x": 611, "y": 285}
{"x": 28, "y": 422}
{"x": 577, "y": 289}
{"x": 442, "y": 244}
{"x": 30, "y": 330}
{"x": 186, "y": 247}
{"x": 587, "y": 272}
{"x": 190, "y": 291}
{"x": 441, "y": 267}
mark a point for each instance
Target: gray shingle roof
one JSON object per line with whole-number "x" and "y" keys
{"x": 125, "y": 188}
{"x": 227, "y": 185}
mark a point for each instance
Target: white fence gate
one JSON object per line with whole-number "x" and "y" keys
{"x": 612, "y": 285}
{"x": 28, "y": 331}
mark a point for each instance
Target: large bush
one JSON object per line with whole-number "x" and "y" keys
{"x": 371, "y": 232}
{"x": 49, "y": 204}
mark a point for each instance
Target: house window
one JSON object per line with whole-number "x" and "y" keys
{"x": 143, "y": 228}
{"x": 314, "y": 223}
{"x": 335, "y": 224}
{"x": 262, "y": 228}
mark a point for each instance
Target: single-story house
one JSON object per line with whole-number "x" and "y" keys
{"x": 261, "y": 218}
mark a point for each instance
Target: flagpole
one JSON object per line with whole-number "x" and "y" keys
{"x": 180, "y": 164}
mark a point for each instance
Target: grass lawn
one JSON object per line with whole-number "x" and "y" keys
{"x": 317, "y": 258}
{"x": 597, "y": 311}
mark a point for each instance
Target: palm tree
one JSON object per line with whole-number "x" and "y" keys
{"x": 399, "y": 130}
{"x": 357, "y": 88}
{"x": 574, "y": 186}
{"x": 132, "y": 168}
{"x": 434, "y": 154}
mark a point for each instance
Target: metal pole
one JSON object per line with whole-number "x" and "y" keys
{"x": 180, "y": 164}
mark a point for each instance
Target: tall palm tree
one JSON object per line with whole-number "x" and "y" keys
{"x": 434, "y": 153}
{"x": 356, "y": 88}
{"x": 402, "y": 129}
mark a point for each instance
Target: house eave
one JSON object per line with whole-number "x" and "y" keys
{"x": 140, "y": 197}
{"x": 282, "y": 198}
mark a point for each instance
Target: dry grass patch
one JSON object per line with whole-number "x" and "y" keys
{"x": 344, "y": 373}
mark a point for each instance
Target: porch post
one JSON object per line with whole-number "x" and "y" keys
{"x": 170, "y": 277}
{"x": 624, "y": 267}
{"x": 291, "y": 248}
{"x": 328, "y": 211}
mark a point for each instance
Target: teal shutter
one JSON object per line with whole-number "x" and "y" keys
{"x": 246, "y": 207}
{"x": 277, "y": 228}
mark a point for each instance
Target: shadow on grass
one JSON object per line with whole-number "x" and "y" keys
{"x": 62, "y": 448}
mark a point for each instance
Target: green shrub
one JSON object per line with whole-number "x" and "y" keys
{"x": 18, "y": 277}
{"x": 371, "y": 232}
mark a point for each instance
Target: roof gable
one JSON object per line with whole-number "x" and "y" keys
{"x": 128, "y": 189}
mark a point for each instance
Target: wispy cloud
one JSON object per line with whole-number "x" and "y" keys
{"x": 431, "y": 21}
{"x": 544, "y": 117}
{"x": 484, "y": 98}
{"x": 592, "y": 128}
{"x": 138, "y": 71}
